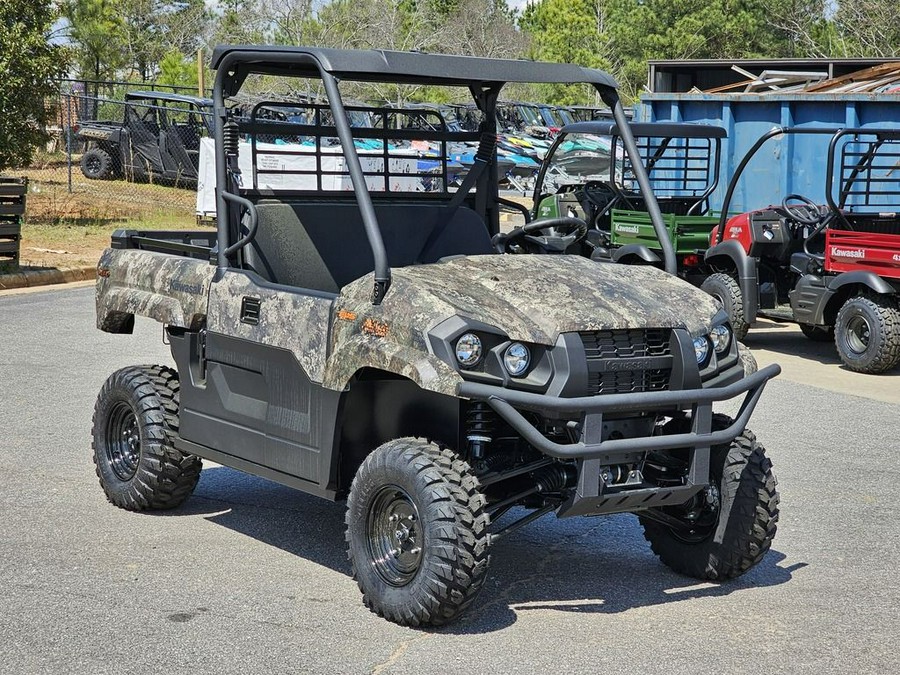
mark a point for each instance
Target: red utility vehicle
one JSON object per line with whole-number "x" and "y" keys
{"x": 833, "y": 268}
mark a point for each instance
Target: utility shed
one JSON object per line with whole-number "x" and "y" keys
{"x": 748, "y": 98}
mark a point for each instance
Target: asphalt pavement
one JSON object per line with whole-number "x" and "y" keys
{"x": 252, "y": 577}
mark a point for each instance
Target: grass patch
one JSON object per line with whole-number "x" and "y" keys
{"x": 71, "y": 229}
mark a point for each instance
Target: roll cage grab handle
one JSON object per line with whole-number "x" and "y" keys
{"x": 364, "y": 199}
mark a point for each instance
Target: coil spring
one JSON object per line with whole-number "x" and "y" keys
{"x": 230, "y": 138}
{"x": 479, "y": 427}
{"x": 480, "y": 420}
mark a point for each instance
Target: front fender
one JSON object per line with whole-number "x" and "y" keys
{"x": 367, "y": 351}
{"x": 745, "y": 266}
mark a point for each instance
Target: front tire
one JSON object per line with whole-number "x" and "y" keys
{"x": 727, "y": 291}
{"x": 867, "y": 333}
{"x": 417, "y": 533}
{"x": 135, "y": 424}
{"x": 729, "y": 527}
{"x": 748, "y": 361}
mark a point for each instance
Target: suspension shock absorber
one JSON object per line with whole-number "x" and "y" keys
{"x": 479, "y": 428}
{"x": 231, "y": 144}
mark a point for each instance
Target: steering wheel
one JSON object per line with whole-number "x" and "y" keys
{"x": 565, "y": 231}
{"x": 807, "y": 213}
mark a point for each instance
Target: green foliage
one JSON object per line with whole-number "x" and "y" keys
{"x": 177, "y": 71}
{"x": 28, "y": 65}
{"x": 94, "y": 28}
{"x": 138, "y": 39}
{"x": 128, "y": 39}
{"x": 868, "y": 27}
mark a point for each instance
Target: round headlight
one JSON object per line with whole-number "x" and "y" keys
{"x": 720, "y": 336}
{"x": 701, "y": 348}
{"x": 468, "y": 350}
{"x": 516, "y": 359}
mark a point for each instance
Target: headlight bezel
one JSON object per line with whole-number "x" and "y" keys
{"x": 721, "y": 336}
{"x": 702, "y": 349}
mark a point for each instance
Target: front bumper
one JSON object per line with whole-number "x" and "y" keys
{"x": 594, "y": 451}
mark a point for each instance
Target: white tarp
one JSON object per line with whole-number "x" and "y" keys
{"x": 300, "y": 158}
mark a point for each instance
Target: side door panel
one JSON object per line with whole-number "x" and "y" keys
{"x": 261, "y": 399}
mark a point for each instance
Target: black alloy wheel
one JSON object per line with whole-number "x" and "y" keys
{"x": 123, "y": 441}
{"x": 395, "y": 536}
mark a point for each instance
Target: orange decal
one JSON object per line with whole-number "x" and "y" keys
{"x": 375, "y": 328}
{"x": 347, "y": 316}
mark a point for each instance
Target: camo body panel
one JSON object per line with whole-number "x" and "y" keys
{"x": 358, "y": 350}
{"x": 168, "y": 288}
{"x": 536, "y": 297}
{"x": 287, "y": 320}
{"x": 530, "y": 298}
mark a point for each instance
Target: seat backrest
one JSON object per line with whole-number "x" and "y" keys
{"x": 323, "y": 246}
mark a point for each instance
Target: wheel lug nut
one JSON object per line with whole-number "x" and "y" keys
{"x": 416, "y": 550}
{"x": 395, "y": 552}
{"x": 410, "y": 517}
{"x": 394, "y": 518}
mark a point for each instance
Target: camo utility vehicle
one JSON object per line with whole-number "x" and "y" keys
{"x": 381, "y": 347}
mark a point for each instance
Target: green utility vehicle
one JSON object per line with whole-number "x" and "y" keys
{"x": 588, "y": 174}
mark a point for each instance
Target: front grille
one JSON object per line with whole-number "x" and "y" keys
{"x": 605, "y": 350}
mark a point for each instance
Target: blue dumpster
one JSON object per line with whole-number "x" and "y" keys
{"x": 784, "y": 165}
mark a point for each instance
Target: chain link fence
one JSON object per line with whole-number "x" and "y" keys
{"x": 133, "y": 186}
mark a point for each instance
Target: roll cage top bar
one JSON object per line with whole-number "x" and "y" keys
{"x": 483, "y": 77}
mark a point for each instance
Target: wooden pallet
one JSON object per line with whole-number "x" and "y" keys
{"x": 13, "y": 194}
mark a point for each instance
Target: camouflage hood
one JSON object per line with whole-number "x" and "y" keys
{"x": 536, "y": 297}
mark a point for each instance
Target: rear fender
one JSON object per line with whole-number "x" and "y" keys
{"x": 635, "y": 254}
{"x": 863, "y": 278}
{"x": 845, "y": 285}
{"x": 167, "y": 288}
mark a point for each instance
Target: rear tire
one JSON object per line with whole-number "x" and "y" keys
{"x": 135, "y": 424}
{"x": 727, "y": 291}
{"x": 816, "y": 333}
{"x": 97, "y": 164}
{"x": 730, "y": 541}
{"x": 867, "y": 333}
{"x": 417, "y": 533}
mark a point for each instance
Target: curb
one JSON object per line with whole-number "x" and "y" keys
{"x": 45, "y": 277}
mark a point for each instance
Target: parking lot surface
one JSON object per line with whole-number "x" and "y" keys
{"x": 249, "y": 576}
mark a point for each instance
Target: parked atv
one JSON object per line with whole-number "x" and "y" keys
{"x": 833, "y": 268}
{"x": 158, "y": 139}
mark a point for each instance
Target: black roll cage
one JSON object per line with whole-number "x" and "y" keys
{"x": 836, "y": 206}
{"x": 646, "y": 130}
{"x": 484, "y": 79}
